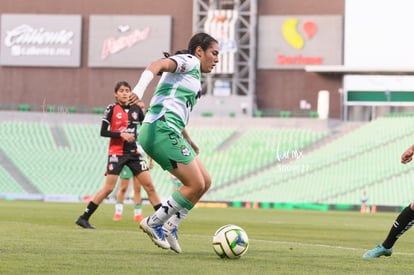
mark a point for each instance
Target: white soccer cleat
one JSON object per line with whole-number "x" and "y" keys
{"x": 156, "y": 233}
{"x": 172, "y": 239}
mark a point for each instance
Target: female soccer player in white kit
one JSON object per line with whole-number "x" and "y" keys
{"x": 165, "y": 139}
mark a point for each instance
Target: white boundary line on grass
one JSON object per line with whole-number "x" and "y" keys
{"x": 311, "y": 245}
{"x": 268, "y": 241}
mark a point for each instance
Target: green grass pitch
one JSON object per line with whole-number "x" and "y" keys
{"x": 42, "y": 238}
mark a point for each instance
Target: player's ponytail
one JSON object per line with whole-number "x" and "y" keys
{"x": 167, "y": 54}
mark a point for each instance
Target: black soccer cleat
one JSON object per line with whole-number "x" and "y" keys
{"x": 84, "y": 223}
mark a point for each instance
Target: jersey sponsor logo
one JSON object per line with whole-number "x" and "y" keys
{"x": 113, "y": 158}
{"x": 130, "y": 130}
{"x": 119, "y": 115}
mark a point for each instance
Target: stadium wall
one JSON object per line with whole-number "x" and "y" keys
{"x": 89, "y": 88}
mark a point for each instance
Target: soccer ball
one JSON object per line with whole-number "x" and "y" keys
{"x": 230, "y": 241}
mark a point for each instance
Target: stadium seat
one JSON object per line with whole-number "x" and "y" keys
{"x": 24, "y": 107}
{"x": 256, "y": 164}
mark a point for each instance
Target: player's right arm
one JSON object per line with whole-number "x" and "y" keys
{"x": 158, "y": 66}
{"x": 106, "y": 126}
{"x": 106, "y": 123}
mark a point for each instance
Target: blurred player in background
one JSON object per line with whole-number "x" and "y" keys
{"x": 364, "y": 203}
{"x": 125, "y": 178}
{"x": 119, "y": 123}
{"x": 165, "y": 139}
{"x": 403, "y": 223}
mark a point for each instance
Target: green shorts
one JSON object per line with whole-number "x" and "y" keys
{"x": 126, "y": 173}
{"x": 164, "y": 145}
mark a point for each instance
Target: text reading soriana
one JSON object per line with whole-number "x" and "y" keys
{"x": 298, "y": 60}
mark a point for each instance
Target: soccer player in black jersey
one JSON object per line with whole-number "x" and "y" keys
{"x": 119, "y": 123}
{"x": 402, "y": 224}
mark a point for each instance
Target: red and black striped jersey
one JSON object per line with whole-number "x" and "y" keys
{"x": 119, "y": 119}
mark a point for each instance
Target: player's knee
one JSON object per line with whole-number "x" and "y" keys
{"x": 109, "y": 189}
{"x": 149, "y": 188}
{"x": 200, "y": 188}
{"x": 207, "y": 184}
{"x": 199, "y": 191}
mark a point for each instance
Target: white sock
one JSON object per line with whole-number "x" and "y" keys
{"x": 137, "y": 210}
{"x": 176, "y": 219}
{"x": 167, "y": 209}
{"x": 119, "y": 208}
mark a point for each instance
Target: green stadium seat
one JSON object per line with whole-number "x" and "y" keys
{"x": 207, "y": 114}
{"x": 244, "y": 164}
{"x": 284, "y": 114}
{"x": 51, "y": 108}
{"x": 313, "y": 114}
{"x": 24, "y": 107}
{"x": 98, "y": 110}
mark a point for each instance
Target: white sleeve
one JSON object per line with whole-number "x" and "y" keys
{"x": 143, "y": 83}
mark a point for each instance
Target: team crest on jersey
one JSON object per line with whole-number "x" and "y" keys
{"x": 182, "y": 68}
{"x": 134, "y": 115}
{"x": 185, "y": 151}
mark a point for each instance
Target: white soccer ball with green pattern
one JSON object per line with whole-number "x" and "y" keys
{"x": 230, "y": 241}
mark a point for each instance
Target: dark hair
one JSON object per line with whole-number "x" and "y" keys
{"x": 167, "y": 54}
{"x": 122, "y": 83}
{"x": 201, "y": 39}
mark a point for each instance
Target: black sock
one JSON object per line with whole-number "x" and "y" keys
{"x": 403, "y": 222}
{"x": 89, "y": 210}
{"x": 157, "y": 206}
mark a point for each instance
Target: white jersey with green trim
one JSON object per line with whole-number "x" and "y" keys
{"x": 177, "y": 93}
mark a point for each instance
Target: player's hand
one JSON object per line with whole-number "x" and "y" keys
{"x": 128, "y": 137}
{"x": 195, "y": 147}
{"x": 141, "y": 104}
{"x": 407, "y": 156}
{"x": 133, "y": 99}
